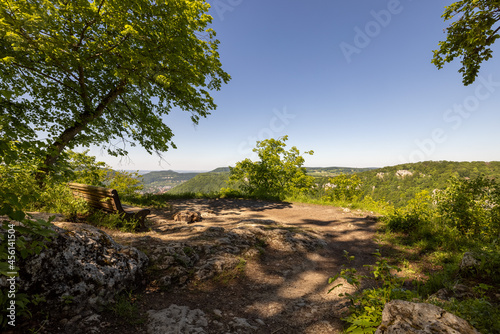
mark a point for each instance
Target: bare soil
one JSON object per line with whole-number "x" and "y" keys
{"x": 282, "y": 291}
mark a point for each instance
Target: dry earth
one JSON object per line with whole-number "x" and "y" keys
{"x": 275, "y": 287}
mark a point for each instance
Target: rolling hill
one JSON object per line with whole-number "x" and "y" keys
{"x": 395, "y": 184}
{"x": 162, "y": 181}
{"x": 216, "y": 179}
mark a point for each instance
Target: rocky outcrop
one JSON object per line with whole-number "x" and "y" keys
{"x": 216, "y": 250}
{"x": 402, "y": 173}
{"x": 80, "y": 270}
{"x": 420, "y": 318}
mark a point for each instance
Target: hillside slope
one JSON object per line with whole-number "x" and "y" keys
{"x": 203, "y": 183}
{"x": 161, "y": 181}
{"x": 398, "y": 184}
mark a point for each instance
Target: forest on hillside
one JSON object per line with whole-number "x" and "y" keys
{"x": 395, "y": 184}
{"x": 398, "y": 184}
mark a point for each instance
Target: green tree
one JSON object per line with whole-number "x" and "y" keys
{"x": 470, "y": 36}
{"x": 278, "y": 172}
{"x": 105, "y": 71}
{"x": 472, "y": 206}
{"x": 344, "y": 188}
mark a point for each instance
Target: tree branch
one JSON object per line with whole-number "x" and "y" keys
{"x": 85, "y": 118}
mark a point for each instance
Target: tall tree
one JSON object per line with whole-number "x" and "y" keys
{"x": 470, "y": 36}
{"x": 100, "y": 71}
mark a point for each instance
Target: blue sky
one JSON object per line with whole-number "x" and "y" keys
{"x": 351, "y": 80}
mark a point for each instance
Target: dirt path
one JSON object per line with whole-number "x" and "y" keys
{"x": 280, "y": 289}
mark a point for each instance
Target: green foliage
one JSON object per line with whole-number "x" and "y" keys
{"x": 469, "y": 36}
{"x": 125, "y": 307}
{"x": 126, "y": 183}
{"x": 115, "y": 221}
{"x": 344, "y": 188}
{"x": 90, "y": 72}
{"x": 367, "y": 304}
{"x": 417, "y": 213}
{"x": 31, "y": 236}
{"x": 479, "y": 312}
{"x": 385, "y": 184}
{"x": 204, "y": 183}
{"x": 230, "y": 193}
{"x": 472, "y": 206}
{"x": 278, "y": 172}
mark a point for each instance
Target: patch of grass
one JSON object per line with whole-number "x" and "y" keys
{"x": 229, "y": 275}
{"x": 126, "y": 309}
{"x": 480, "y": 313}
{"x": 113, "y": 221}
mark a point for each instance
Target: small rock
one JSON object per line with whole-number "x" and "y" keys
{"x": 260, "y": 322}
{"x": 187, "y": 216}
{"x": 241, "y": 323}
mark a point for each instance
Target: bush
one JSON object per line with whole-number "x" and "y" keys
{"x": 415, "y": 216}
{"x": 472, "y": 206}
{"x": 343, "y": 188}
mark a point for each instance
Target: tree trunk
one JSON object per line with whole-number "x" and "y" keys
{"x": 60, "y": 143}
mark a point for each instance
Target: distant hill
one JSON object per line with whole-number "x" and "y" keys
{"x": 205, "y": 183}
{"x": 216, "y": 179}
{"x": 162, "y": 181}
{"x": 398, "y": 184}
{"x": 334, "y": 171}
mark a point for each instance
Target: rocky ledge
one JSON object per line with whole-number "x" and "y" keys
{"x": 79, "y": 271}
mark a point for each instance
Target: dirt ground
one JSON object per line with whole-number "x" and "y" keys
{"x": 280, "y": 291}
{"x": 287, "y": 291}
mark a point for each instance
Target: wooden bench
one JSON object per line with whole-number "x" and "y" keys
{"x": 107, "y": 200}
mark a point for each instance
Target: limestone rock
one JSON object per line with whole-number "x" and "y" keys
{"x": 82, "y": 269}
{"x": 468, "y": 261}
{"x": 187, "y": 216}
{"x": 420, "y": 318}
{"x": 402, "y": 173}
{"x": 177, "y": 319}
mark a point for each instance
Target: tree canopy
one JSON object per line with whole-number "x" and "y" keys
{"x": 469, "y": 36}
{"x": 104, "y": 72}
{"x": 277, "y": 173}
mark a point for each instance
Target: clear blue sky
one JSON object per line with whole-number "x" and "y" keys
{"x": 351, "y": 80}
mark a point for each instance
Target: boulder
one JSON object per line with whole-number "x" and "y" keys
{"x": 401, "y": 316}
{"x": 187, "y": 216}
{"x": 468, "y": 262}
{"x": 80, "y": 270}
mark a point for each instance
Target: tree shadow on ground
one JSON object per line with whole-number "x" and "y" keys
{"x": 287, "y": 290}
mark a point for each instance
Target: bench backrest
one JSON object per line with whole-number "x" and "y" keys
{"x": 98, "y": 197}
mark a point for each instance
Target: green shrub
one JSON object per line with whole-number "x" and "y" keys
{"x": 416, "y": 215}
{"x": 343, "y": 188}
{"x": 479, "y": 312}
{"x": 114, "y": 221}
{"x": 472, "y": 206}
